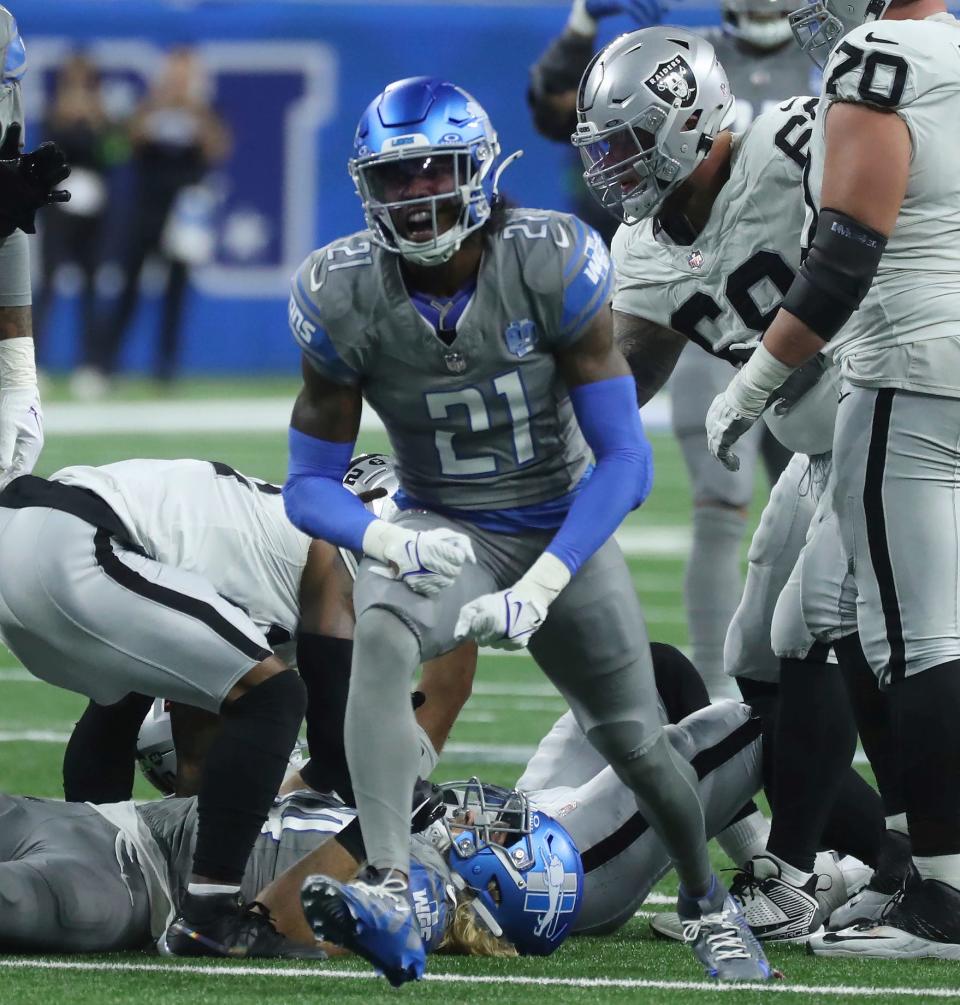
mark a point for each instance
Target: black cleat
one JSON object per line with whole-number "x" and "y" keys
{"x": 220, "y": 925}
{"x": 894, "y": 869}
{"x": 922, "y": 921}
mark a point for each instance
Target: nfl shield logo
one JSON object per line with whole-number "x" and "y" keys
{"x": 455, "y": 362}
{"x": 521, "y": 337}
{"x": 695, "y": 261}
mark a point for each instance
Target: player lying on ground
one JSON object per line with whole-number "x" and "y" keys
{"x": 85, "y": 878}
{"x": 709, "y": 242}
{"x": 622, "y": 857}
{"x": 115, "y": 581}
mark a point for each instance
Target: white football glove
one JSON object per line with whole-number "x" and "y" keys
{"x": 427, "y": 561}
{"x": 725, "y": 425}
{"x": 21, "y": 431}
{"x": 737, "y": 408}
{"x": 508, "y": 619}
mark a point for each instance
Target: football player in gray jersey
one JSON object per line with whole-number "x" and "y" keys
{"x": 483, "y": 339}
{"x": 764, "y": 70}
{"x": 27, "y": 182}
{"x": 874, "y": 294}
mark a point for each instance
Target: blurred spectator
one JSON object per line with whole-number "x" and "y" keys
{"x": 176, "y": 137}
{"x": 71, "y": 231}
{"x": 555, "y": 77}
{"x": 755, "y": 47}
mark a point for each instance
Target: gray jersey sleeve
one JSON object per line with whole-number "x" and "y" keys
{"x": 571, "y": 271}
{"x": 329, "y": 300}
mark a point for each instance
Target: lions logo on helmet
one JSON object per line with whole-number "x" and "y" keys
{"x": 520, "y": 865}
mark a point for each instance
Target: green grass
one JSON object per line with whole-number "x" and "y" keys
{"x": 34, "y": 768}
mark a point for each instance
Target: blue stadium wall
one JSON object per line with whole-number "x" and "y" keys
{"x": 291, "y": 78}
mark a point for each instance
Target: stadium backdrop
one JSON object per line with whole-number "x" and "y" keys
{"x": 291, "y": 77}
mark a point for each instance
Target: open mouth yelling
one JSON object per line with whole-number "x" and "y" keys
{"x": 418, "y": 224}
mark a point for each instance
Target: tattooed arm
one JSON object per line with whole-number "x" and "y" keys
{"x": 651, "y": 350}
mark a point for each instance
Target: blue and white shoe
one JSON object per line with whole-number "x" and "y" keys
{"x": 373, "y": 919}
{"x": 715, "y": 929}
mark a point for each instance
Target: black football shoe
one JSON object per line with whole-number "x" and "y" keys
{"x": 922, "y": 921}
{"x": 221, "y": 925}
{"x": 894, "y": 869}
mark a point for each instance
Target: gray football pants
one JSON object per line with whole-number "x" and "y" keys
{"x": 85, "y": 613}
{"x": 896, "y": 496}
{"x": 623, "y": 858}
{"x": 593, "y": 646}
{"x": 69, "y": 883}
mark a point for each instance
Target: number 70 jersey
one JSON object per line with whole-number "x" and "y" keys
{"x": 726, "y": 287}
{"x": 483, "y": 423}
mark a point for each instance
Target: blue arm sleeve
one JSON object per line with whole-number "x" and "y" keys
{"x": 314, "y": 496}
{"x": 610, "y": 422}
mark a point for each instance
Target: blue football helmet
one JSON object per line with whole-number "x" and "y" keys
{"x": 521, "y": 867}
{"x": 422, "y": 133}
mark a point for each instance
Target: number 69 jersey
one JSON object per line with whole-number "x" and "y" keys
{"x": 906, "y": 333}
{"x": 725, "y": 287}
{"x": 484, "y": 423}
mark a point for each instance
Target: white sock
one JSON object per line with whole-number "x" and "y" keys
{"x": 211, "y": 889}
{"x": 898, "y": 822}
{"x": 945, "y": 868}
{"x": 793, "y": 875}
{"x": 746, "y": 838}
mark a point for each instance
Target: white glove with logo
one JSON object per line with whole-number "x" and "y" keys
{"x": 21, "y": 417}
{"x": 737, "y": 408}
{"x": 427, "y": 561}
{"x": 508, "y": 619}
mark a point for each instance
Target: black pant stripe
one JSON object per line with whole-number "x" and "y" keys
{"x": 191, "y": 606}
{"x": 706, "y": 761}
{"x": 877, "y": 530}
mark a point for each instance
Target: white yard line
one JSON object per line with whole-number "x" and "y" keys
{"x": 217, "y": 415}
{"x": 839, "y": 991}
{"x": 32, "y": 736}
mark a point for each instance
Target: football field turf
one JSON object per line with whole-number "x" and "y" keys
{"x": 511, "y": 708}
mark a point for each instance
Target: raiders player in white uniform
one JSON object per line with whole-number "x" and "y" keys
{"x": 27, "y": 182}
{"x": 883, "y": 253}
{"x": 114, "y": 580}
{"x": 712, "y": 266}
{"x": 764, "y": 68}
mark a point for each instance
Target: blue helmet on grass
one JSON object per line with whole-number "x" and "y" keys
{"x": 520, "y": 865}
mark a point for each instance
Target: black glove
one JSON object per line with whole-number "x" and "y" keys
{"x": 802, "y": 380}
{"x": 27, "y": 181}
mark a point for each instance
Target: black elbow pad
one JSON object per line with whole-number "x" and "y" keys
{"x": 836, "y": 274}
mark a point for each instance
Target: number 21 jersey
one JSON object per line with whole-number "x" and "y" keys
{"x": 483, "y": 423}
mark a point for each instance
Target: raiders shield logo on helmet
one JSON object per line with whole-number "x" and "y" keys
{"x": 674, "y": 81}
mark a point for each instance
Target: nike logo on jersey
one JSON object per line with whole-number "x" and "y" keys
{"x": 315, "y": 281}
{"x": 846, "y": 394}
{"x": 870, "y": 37}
